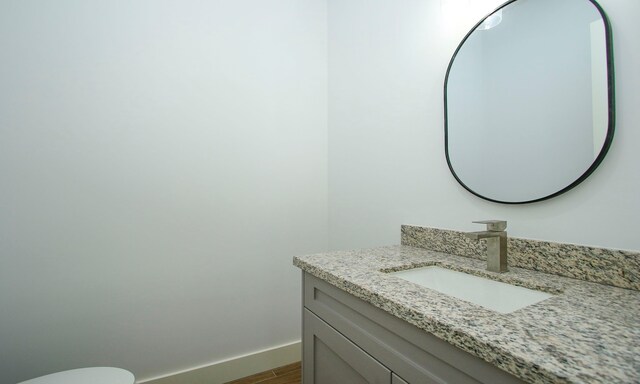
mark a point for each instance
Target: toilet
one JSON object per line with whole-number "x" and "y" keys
{"x": 93, "y": 375}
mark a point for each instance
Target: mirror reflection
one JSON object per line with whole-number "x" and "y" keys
{"x": 529, "y": 100}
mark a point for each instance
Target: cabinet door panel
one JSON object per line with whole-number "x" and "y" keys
{"x": 397, "y": 380}
{"x": 330, "y": 368}
{"x": 330, "y": 358}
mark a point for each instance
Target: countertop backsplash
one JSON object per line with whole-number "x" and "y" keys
{"x": 600, "y": 265}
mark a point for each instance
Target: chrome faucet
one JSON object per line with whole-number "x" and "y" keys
{"x": 496, "y": 237}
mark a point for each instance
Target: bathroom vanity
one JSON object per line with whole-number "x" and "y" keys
{"x": 347, "y": 340}
{"x": 362, "y": 323}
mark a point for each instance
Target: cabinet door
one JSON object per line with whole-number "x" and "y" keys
{"x": 397, "y": 380}
{"x": 330, "y": 358}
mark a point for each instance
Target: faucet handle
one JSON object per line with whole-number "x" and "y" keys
{"x": 493, "y": 225}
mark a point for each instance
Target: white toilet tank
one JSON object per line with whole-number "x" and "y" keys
{"x": 93, "y": 375}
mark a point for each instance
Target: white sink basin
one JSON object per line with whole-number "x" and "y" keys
{"x": 491, "y": 294}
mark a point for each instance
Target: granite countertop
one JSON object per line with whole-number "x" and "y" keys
{"x": 586, "y": 333}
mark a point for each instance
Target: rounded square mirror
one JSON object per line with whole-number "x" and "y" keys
{"x": 529, "y": 100}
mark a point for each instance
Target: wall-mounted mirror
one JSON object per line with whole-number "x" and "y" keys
{"x": 529, "y": 100}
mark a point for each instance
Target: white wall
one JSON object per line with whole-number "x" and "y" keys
{"x": 387, "y": 62}
{"x": 161, "y": 162}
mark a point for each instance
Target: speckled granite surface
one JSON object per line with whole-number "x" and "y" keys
{"x": 586, "y": 333}
{"x": 600, "y": 265}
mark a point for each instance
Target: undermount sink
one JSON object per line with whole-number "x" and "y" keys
{"x": 491, "y": 294}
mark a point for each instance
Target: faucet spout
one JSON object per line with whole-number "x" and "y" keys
{"x": 496, "y": 238}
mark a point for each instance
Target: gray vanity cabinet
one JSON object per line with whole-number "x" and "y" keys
{"x": 347, "y": 340}
{"x": 336, "y": 359}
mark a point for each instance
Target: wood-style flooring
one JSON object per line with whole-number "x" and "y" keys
{"x": 289, "y": 374}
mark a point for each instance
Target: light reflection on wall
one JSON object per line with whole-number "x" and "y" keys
{"x": 459, "y": 16}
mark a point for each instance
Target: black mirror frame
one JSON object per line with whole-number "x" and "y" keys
{"x": 611, "y": 109}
